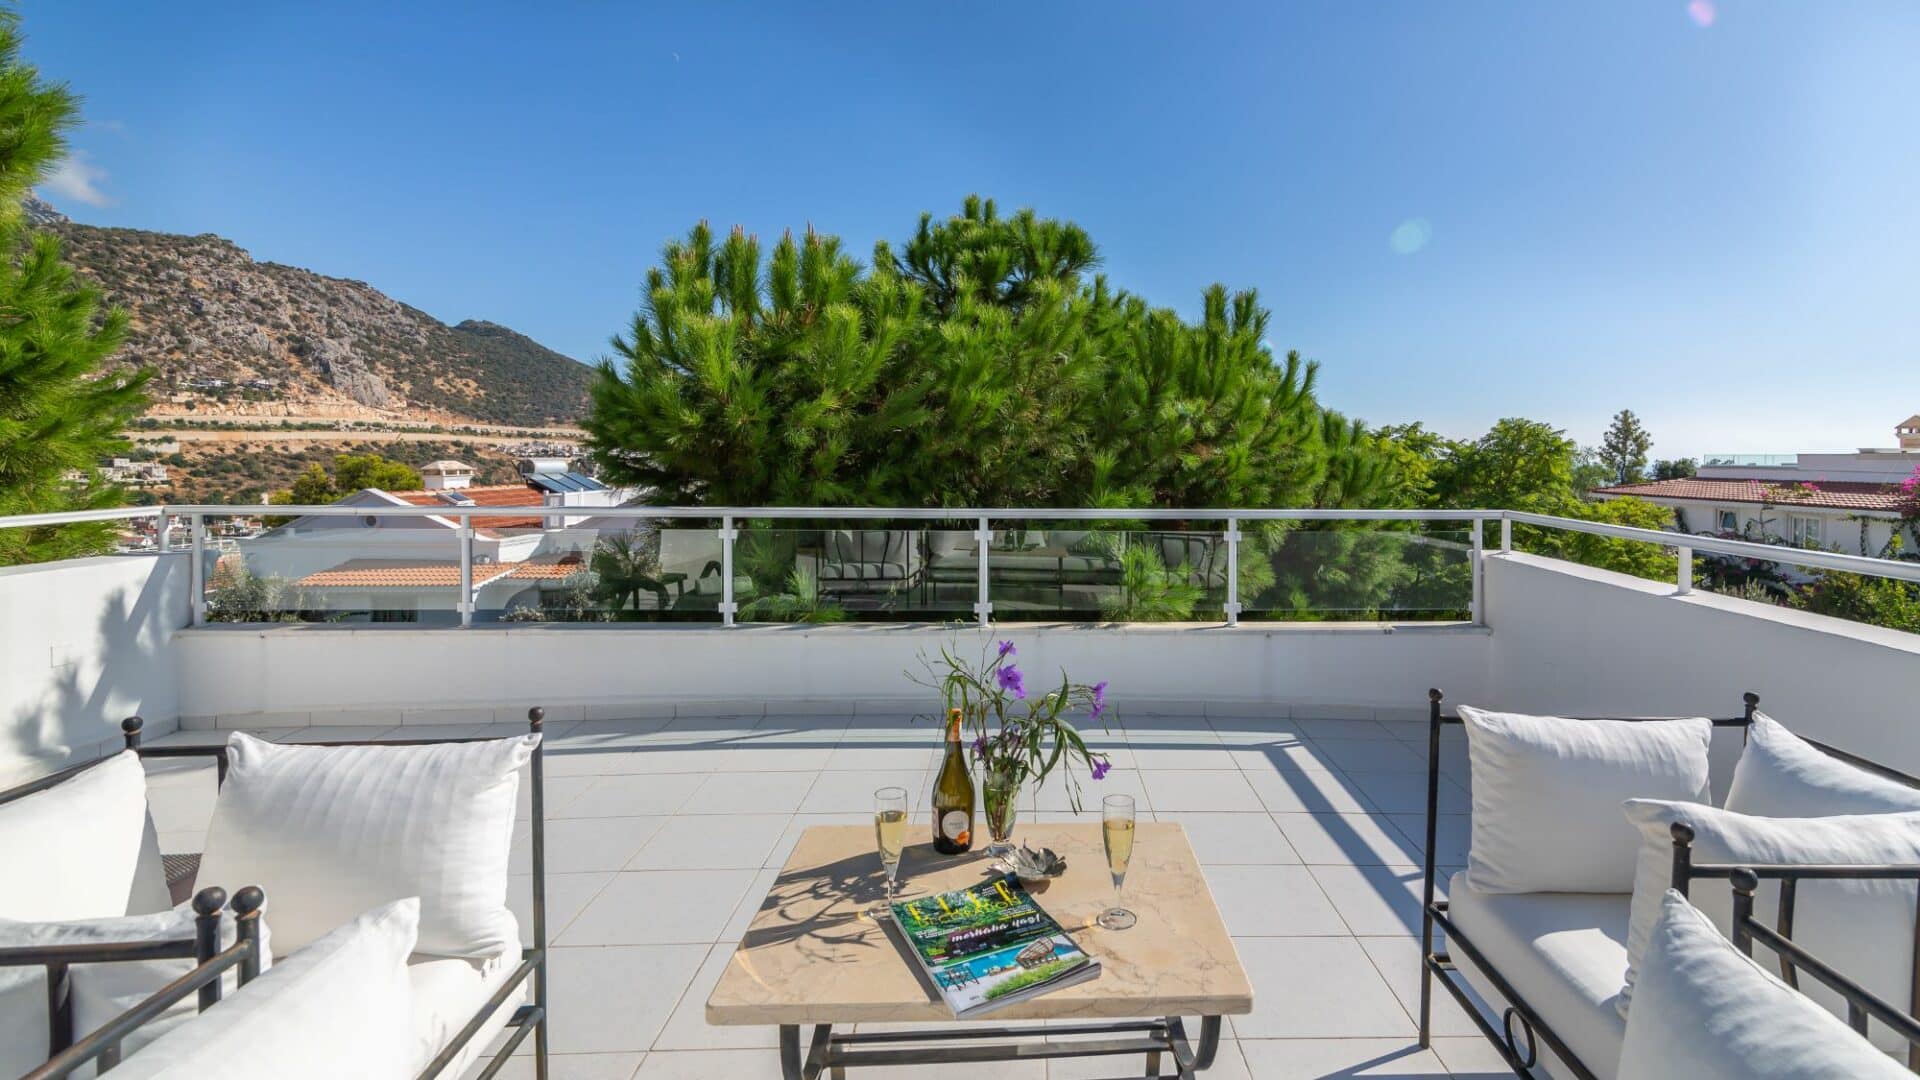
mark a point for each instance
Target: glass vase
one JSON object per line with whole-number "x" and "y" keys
{"x": 1001, "y": 794}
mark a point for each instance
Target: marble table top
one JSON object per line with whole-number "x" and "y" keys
{"x": 812, "y": 955}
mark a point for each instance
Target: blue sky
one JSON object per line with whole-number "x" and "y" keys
{"x": 1709, "y": 213}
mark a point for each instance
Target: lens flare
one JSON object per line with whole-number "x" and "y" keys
{"x": 1702, "y": 12}
{"x": 1410, "y": 236}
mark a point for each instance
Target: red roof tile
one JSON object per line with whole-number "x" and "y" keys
{"x": 399, "y": 574}
{"x": 1830, "y": 495}
{"x": 487, "y": 495}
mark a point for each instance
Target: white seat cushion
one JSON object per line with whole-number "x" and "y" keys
{"x": 74, "y": 851}
{"x": 447, "y": 991}
{"x": 1706, "y": 1012}
{"x": 99, "y": 992}
{"x": 1547, "y": 794}
{"x": 1565, "y": 953}
{"x": 1863, "y": 928}
{"x": 1779, "y": 775}
{"x": 340, "y": 1007}
{"x": 332, "y": 831}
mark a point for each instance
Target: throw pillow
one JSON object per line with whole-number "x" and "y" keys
{"x": 1863, "y": 928}
{"x": 332, "y": 831}
{"x": 1780, "y": 775}
{"x": 1708, "y": 1012}
{"x": 1547, "y": 793}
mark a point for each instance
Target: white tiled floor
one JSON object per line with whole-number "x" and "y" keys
{"x": 664, "y": 835}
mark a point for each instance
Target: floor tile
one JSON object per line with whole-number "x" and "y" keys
{"x": 1406, "y": 792}
{"x": 570, "y": 1067}
{"x": 1376, "y": 899}
{"x": 567, "y": 896}
{"x": 1054, "y": 796}
{"x": 1398, "y": 961}
{"x": 616, "y": 999}
{"x": 1471, "y": 1058}
{"x": 578, "y": 845}
{"x": 1311, "y": 1059}
{"x": 660, "y": 907}
{"x": 1178, "y": 790}
{"x": 1288, "y": 789}
{"x": 751, "y": 793}
{"x": 1455, "y": 834}
{"x": 1272, "y": 901}
{"x": 557, "y": 792}
{"x": 1233, "y": 839}
{"x": 1227, "y": 1063}
{"x": 687, "y": 1028}
{"x": 892, "y": 756}
{"x": 800, "y": 823}
{"x": 710, "y": 1065}
{"x": 1211, "y": 755}
{"x": 1344, "y": 997}
{"x": 1347, "y": 839}
{"x": 712, "y": 842}
{"x": 852, "y": 792}
{"x": 1324, "y": 728}
{"x": 1371, "y": 755}
{"x": 749, "y": 906}
{"x": 626, "y": 796}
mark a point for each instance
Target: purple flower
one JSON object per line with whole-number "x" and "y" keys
{"x": 1101, "y": 768}
{"x": 1098, "y": 708}
{"x": 1007, "y": 649}
{"x": 979, "y": 746}
{"x": 1100, "y": 693}
{"x": 1009, "y": 678}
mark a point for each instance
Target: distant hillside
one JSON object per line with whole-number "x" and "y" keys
{"x": 228, "y": 334}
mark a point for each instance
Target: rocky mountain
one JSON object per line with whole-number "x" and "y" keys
{"x": 227, "y": 335}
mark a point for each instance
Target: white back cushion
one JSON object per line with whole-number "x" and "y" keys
{"x": 339, "y": 1007}
{"x": 1863, "y": 928}
{"x": 1547, "y": 794}
{"x": 1780, "y": 775}
{"x": 332, "y": 831}
{"x": 1707, "y": 1012}
{"x": 73, "y": 850}
{"x": 100, "y": 992}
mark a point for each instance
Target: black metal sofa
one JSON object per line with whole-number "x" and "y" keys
{"x": 1519, "y": 1031}
{"x": 72, "y": 1051}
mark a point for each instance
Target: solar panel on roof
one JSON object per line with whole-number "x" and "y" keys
{"x": 562, "y": 483}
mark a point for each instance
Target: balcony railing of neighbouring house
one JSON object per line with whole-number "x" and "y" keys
{"x": 462, "y": 565}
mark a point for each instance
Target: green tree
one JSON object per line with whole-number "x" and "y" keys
{"x": 978, "y": 365}
{"x": 1624, "y": 448}
{"x": 58, "y": 415}
{"x": 1676, "y": 469}
{"x": 1517, "y": 465}
{"x": 354, "y": 472}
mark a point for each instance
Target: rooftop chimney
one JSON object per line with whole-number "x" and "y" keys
{"x": 1909, "y": 432}
{"x": 446, "y": 475}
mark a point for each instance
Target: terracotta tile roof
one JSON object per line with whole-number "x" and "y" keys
{"x": 403, "y": 574}
{"x": 486, "y": 495}
{"x": 399, "y": 574}
{"x": 1831, "y": 495}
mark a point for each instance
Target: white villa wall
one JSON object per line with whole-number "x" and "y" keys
{"x": 240, "y": 676}
{"x": 1840, "y": 529}
{"x": 83, "y": 645}
{"x": 1572, "y": 639}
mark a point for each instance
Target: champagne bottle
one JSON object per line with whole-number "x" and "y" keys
{"x": 953, "y": 796}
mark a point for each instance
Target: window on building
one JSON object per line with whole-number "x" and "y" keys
{"x": 1803, "y": 530}
{"x": 1729, "y": 520}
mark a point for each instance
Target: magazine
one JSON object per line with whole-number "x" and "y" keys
{"x": 989, "y": 945}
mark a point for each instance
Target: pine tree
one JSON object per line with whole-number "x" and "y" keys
{"x": 58, "y": 415}
{"x": 1624, "y": 449}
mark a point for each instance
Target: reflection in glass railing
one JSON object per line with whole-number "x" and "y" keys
{"x": 855, "y": 574}
{"x": 1113, "y": 575}
{"x": 1294, "y": 572}
{"x": 362, "y": 569}
{"x": 601, "y": 570}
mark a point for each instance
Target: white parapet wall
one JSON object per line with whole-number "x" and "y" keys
{"x": 1573, "y": 639}
{"x": 293, "y": 675}
{"x": 84, "y": 644}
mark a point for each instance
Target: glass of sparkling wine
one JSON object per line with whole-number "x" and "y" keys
{"x": 1116, "y": 826}
{"x": 890, "y": 835}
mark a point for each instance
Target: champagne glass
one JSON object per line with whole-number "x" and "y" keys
{"x": 1116, "y": 827}
{"x": 890, "y": 835}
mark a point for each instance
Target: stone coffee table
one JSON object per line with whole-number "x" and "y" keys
{"x": 814, "y": 957}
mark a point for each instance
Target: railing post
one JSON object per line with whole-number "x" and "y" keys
{"x": 1506, "y": 534}
{"x": 983, "y": 607}
{"x": 466, "y": 569}
{"x": 198, "y": 524}
{"x": 163, "y": 531}
{"x": 1478, "y": 600}
{"x": 727, "y": 605}
{"x": 1233, "y": 571}
{"x": 1685, "y": 584}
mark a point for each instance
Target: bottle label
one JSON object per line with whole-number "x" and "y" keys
{"x": 954, "y": 825}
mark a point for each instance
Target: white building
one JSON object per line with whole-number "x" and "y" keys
{"x": 393, "y": 569}
{"x": 1841, "y": 500}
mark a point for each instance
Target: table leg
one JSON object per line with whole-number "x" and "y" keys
{"x": 1153, "y": 1063}
{"x": 791, "y": 1067}
{"x": 1184, "y": 1057}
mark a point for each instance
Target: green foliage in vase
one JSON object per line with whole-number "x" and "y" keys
{"x": 59, "y": 417}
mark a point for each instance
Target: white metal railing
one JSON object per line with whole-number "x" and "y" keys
{"x": 464, "y": 519}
